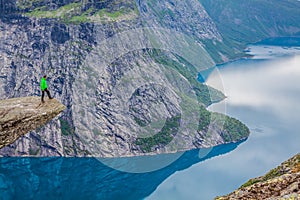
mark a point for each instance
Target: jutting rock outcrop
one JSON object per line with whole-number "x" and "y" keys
{"x": 18, "y": 116}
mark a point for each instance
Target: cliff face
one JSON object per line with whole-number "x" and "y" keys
{"x": 125, "y": 70}
{"x": 282, "y": 182}
{"x": 18, "y": 116}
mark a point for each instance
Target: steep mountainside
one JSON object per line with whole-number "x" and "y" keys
{"x": 259, "y": 19}
{"x": 282, "y": 182}
{"x": 253, "y": 20}
{"x": 126, "y": 70}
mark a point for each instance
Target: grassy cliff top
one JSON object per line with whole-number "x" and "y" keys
{"x": 76, "y": 11}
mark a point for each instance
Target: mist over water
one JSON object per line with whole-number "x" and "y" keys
{"x": 266, "y": 82}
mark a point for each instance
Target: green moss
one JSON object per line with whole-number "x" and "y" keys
{"x": 291, "y": 164}
{"x": 163, "y": 137}
{"x": 70, "y": 6}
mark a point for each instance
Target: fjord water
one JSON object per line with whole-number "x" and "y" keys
{"x": 263, "y": 92}
{"x": 87, "y": 178}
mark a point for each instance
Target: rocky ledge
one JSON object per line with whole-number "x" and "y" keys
{"x": 18, "y": 116}
{"x": 282, "y": 182}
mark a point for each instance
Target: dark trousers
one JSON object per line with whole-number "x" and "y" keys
{"x": 48, "y": 93}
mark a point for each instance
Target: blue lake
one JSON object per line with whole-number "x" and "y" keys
{"x": 263, "y": 92}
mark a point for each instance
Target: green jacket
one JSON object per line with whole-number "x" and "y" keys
{"x": 43, "y": 84}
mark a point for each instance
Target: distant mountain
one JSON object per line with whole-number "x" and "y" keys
{"x": 251, "y": 21}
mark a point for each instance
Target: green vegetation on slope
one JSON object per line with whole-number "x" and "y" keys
{"x": 162, "y": 138}
{"x": 204, "y": 120}
{"x": 290, "y": 166}
{"x": 64, "y": 12}
{"x": 279, "y": 183}
{"x": 205, "y": 94}
{"x": 232, "y": 129}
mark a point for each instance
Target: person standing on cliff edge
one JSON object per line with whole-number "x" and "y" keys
{"x": 44, "y": 88}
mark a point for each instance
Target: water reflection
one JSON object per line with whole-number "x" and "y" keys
{"x": 87, "y": 178}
